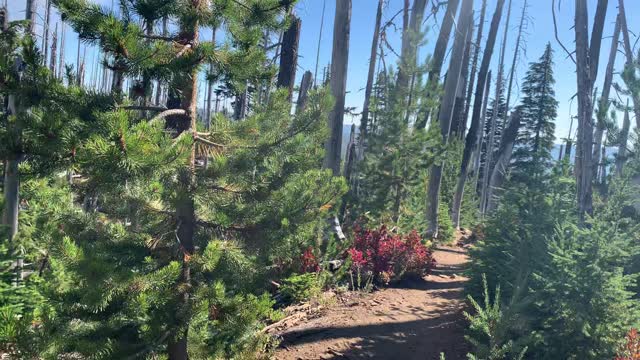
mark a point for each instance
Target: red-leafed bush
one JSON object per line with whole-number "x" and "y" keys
{"x": 388, "y": 256}
{"x": 309, "y": 262}
{"x": 631, "y": 349}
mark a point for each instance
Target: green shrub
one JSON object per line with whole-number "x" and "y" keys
{"x": 301, "y": 287}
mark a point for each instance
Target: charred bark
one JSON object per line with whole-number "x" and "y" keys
{"x": 471, "y": 141}
{"x": 446, "y": 111}
{"x": 289, "y": 56}
{"x": 439, "y": 53}
{"x": 338, "y": 81}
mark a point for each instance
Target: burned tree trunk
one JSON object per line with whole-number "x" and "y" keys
{"x": 516, "y": 53}
{"x": 477, "y": 153}
{"x": 628, "y": 51}
{"x": 364, "y": 121}
{"x": 439, "y": 53}
{"x": 471, "y": 141}
{"x": 410, "y": 47}
{"x": 207, "y": 116}
{"x": 54, "y": 52}
{"x": 303, "y": 94}
{"x": 474, "y": 63}
{"x": 495, "y": 118}
{"x": 446, "y": 111}
{"x": 31, "y": 16}
{"x": 289, "y": 56}
{"x": 61, "y": 61}
{"x": 459, "y": 122}
{"x": 339, "y": 62}
{"x": 603, "y": 106}
{"x": 621, "y": 157}
{"x": 585, "y": 56}
{"x": 498, "y": 175}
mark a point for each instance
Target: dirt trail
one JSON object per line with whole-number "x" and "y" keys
{"x": 414, "y": 320}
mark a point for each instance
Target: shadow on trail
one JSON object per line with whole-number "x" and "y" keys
{"x": 383, "y": 341}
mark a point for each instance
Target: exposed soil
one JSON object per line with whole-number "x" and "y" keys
{"x": 415, "y": 319}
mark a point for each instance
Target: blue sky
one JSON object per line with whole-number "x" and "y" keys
{"x": 539, "y": 32}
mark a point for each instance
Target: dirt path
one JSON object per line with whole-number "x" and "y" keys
{"x": 415, "y": 320}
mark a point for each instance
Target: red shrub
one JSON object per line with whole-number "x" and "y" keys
{"x": 308, "y": 262}
{"x": 389, "y": 256}
{"x": 631, "y": 350}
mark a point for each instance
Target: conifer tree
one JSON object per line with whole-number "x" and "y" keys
{"x": 538, "y": 112}
{"x": 157, "y": 269}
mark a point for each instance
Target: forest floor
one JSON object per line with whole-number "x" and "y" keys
{"x": 415, "y": 319}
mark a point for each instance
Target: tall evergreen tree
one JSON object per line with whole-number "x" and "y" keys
{"x": 538, "y": 113}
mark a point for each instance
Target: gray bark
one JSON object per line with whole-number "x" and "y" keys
{"x": 410, "y": 45}
{"x": 621, "y": 158}
{"x": 474, "y": 63}
{"x": 459, "y": 122}
{"x": 31, "y": 16}
{"x": 315, "y": 74}
{"x": 516, "y": 53}
{"x": 364, "y": 121}
{"x": 471, "y": 141}
{"x": 61, "y": 61}
{"x": 584, "y": 153}
{"x": 439, "y": 53}
{"x": 338, "y": 81}
{"x": 45, "y": 36}
{"x": 476, "y": 154}
{"x": 54, "y": 51}
{"x": 446, "y": 111}
{"x": 498, "y": 175}
{"x": 629, "y": 54}
{"x": 490, "y": 145}
{"x": 603, "y": 106}
{"x": 303, "y": 94}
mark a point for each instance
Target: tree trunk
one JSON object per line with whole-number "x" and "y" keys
{"x": 165, "y": 32}
{"x": 584, "y": 154}
{"x": 621, "y": 158}
{"x": 339, "y": 62}
{"x": 409, "y": 49}
{"x": 498, "y": 175}
{"x": 45, "y": 36}
{"x": 596, "y": 39}
{"x": 370, "y": 79}
{"x": 465, "y": 21}
{"x": 630, "y": 55}
{"x": 474, "y": 130}
{"x": 490, "y": 144}
{"x": 61, "y": 61}
{"x": 303, "y": 94}
{"x": 54, "y": 52}
{"x": 477, "y": 153}
{"x": 289, "y": 56}
{"x": 474, "y": 65}
{"x": 459, "y": 122}
{"x": 31, "y": 16}
{"x": 185, "y": 203}
{"x": 315, "y": 74}
{"x": 603, "y": 106}
{"x": 210, "y": 86}
{"x": 495, "y": 117}
{"x": 514, "y": 62}
{"x": 437, "y": 59}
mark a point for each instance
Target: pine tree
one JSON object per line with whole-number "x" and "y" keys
{"x": 538, "y": 112}
{"x": 172, "y": 258}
